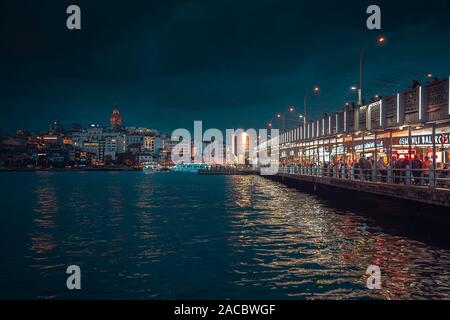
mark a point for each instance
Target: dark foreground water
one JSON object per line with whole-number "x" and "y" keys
{"x": 183, "y": 236}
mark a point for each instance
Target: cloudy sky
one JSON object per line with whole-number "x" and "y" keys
{"x": 229, "y": 63}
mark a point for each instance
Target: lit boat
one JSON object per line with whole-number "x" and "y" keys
{"x": 190, "y": 167}
{"x": 150, "y": 167}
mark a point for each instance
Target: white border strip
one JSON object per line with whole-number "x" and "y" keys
{"x": 420, "y": 103}
{"x": 381, "y": 113}
{"x": 345, "y": 121}
{"x": 329, "y": 125}
{"x": 337, "y": 123}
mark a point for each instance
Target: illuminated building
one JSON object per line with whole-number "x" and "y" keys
{"x": 152, "y": 144}
{"x": 115, "y": 119}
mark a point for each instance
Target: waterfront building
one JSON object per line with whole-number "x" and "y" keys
{"x": 152, "y": 144}
{"x": 166, "y": 149}
{"x": 413, "y": 124}
{"x": 94, "y": 144}
{"x": 141, "y": 131}
{"x": 134, "y": 139}
{"x": 146, "y": 157}
{"x": 93, "y": 132}
{"x": 51, "y": 139}
{"x": 107, "y": 149}
{"x": 92, "y": 148}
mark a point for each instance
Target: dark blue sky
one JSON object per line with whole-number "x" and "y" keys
{"x": 228, "y": 63}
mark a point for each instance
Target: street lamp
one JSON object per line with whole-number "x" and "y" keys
{"x": 282, "y": 116}
{"x": 380, "y": 40}
{"x": 292, "y": 109}
{"x": 315, "y": 90}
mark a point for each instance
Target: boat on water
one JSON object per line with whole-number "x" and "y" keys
{"x": 150, "y": 167}
{"x": 190, "y": 167}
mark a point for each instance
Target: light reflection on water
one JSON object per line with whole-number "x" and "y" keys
{"x": 293, "y": 241}
{"x": 186, "y": 236}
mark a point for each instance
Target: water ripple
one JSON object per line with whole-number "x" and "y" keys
{"x": 175, "y": 236}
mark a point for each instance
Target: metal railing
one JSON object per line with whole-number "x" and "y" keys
{"x": 439, "y": 178}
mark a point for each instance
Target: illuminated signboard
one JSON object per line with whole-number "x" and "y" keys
{"x": 368, "y": 145}
{"x": 426, "y": 139}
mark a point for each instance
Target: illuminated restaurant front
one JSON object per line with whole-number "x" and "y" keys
{"x": 414, "y": 124}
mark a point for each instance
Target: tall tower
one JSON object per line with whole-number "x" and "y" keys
{"x": 115, "y": 119}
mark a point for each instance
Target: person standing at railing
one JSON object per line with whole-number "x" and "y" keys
{"x": 361, "y": 165}
{"x": 338, "y": 169}
{"x": 426, "y": 166}
{"x": 417, "y": 170}
{"x": 404, "y": 164}
{"x": 348, "y": 166}
{"x": 397, "y": 165}
{"x": 368, "y": 168}
{"x": 381, "y": 169}
{"x": 325, "y": 167}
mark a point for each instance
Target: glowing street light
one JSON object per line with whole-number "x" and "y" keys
{"x": 292, "y": 109}
{"x": 315, "y": 90}
{"x": 380, "y": 40}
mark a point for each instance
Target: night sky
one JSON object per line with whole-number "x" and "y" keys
{"x": 228, "y": 63}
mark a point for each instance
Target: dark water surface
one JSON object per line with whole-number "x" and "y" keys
{"x": 183, "y": 236}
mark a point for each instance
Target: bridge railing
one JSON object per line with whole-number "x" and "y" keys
{"x": 439, "y": 178}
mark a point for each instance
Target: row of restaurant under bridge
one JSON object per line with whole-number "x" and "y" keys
{"x": 414, "y": 124}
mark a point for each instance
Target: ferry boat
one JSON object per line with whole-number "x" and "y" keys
{"x": 150, "y": 167}
{"x": 190, "y": 167}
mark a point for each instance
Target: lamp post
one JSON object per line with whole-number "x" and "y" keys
{"x": 315, "y": 90}
{"x": 282, "y": 117}
{"x": 381, "y": 40}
